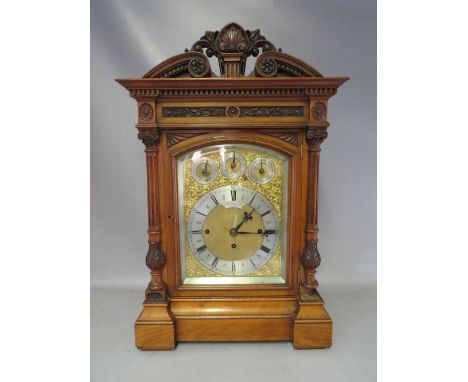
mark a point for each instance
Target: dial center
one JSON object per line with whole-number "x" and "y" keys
{"x": 227, "y": 242}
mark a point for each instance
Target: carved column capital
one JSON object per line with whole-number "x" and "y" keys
{"x": 149, "y": 136}
{"x": 315, "y": 135}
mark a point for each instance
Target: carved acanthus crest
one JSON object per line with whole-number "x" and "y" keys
{"x": 233, "y": 40}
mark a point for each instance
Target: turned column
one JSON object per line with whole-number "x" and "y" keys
{"x": 155, "y": 257}
{"x": 310, "y": 257}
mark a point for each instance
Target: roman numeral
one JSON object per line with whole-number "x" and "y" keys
{"x": 201, "y": 249}
{"x": 233, "y": 195}
{"x": 215, "y": 262}
{"x": 233, "y": 268}
{"x": 213, "y": 198}
{"x": 196, "y": 231}
{"x": 269, "y": 231}
{"x": 252, "y": 199}
{"x": 200, "y": 213}
{"x": 265, "y": 249}
{"x": 265, "y": 213}
{"x": 253, "y": 263}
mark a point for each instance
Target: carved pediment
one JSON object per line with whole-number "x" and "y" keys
{"x": 189, "y": 64}
{"x": 232, "y": 45}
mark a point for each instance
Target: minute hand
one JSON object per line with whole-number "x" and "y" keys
{"x": 245, "y": 218}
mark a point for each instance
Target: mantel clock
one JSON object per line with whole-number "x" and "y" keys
{"x": 232, "y": 176}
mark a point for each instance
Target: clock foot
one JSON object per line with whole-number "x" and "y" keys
{"x": 154, "y": 328}
{"x": 312, "y": 326}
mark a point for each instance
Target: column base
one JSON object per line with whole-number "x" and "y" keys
{"x": 154, "y": 328}
{"x": 312, "y": 326}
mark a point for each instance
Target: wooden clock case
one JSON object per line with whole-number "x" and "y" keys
{"x": 183, "y": 106}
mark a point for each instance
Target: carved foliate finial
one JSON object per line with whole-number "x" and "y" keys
{"x": 234, "y": 42}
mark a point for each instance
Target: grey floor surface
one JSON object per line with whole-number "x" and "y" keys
{"x": 351, "y": 358}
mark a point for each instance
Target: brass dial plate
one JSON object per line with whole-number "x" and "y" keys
{"x": 190, "y": 192}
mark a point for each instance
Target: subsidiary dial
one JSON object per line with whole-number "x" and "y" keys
{"x": 233, "y": 166}
{"x": 204, "y": 170}
{"x": 261, "y": 170}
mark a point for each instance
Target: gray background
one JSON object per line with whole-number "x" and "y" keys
{"x": 338, "y": 37}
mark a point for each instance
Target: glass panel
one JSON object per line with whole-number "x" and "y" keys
{"x": 233, "y": 215}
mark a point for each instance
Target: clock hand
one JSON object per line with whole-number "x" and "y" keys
{"x": 246, "y": 217}
{"x": 204, "y": 171}
{"x": 233, "y": 164}
{"x": 266, "y": 232}
{"x": 261, "y": 167}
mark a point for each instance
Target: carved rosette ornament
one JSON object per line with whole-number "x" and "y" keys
{"x": 198, "y": 67}
{"x": 266, "y": 67}
{"x": 145, "y": 112}
{"x": 319, "y": 111}
{"x": 233, "y": 111}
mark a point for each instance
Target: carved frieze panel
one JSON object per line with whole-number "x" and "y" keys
{"x": 272, "y": 111}
{"x": 178, "y": 112}
{"x": 233, "y": 111}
